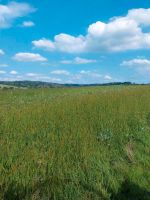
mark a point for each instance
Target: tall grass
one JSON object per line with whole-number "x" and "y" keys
{"x": 80, "y": 143}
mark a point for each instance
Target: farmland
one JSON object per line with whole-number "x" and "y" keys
{"x": 75, "y": 143}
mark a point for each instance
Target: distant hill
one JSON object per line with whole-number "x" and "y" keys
{"x": 28, "y": 84}
{"x": 40, "y": 84}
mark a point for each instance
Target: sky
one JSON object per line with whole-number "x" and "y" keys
{"x": 75, "y": 41}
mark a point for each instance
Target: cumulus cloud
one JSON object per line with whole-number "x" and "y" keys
{"x": 13, "y": 72}
{"x": 83, "y": 76}
{"x": 62, "y": 42}
{"x": 90, "y": 76}
{"x": 2, "y": 72}
{"x": 119, "y": 34}
{"x": 44, "y": 44}
{"x": 31, "y": 74}
{"x": 89, "y": 73}
{"x": 78, "y": 61}
{"x": 107, "y": 77}
{"x": 3, "y": 65}
{"x": 1, "y": 52}
{"x": 141, "y": 16}
{"x": 59, "y": 76}
{"x": 28, "y": 24}
{"x": 142, "y": 66}
{"x": 136, "y": 62}
{"x": 12, "y": 11}
{"x": 29, "y": 57}
{"x": 61, "y": 72}
{"x": 41, "y": 77}
{"x": 85, "y": 72}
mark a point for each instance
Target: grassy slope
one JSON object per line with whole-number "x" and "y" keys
{"x": 85, "y": 143}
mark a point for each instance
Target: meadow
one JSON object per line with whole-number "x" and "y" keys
{"x": 85, "y": 143}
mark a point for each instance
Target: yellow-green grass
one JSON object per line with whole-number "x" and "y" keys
{"x": 75, "y": 143}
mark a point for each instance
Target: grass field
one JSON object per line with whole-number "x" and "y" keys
{"x": 75, "y": 143}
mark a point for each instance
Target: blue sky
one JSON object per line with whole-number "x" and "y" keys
{"x": 75, "y": 41}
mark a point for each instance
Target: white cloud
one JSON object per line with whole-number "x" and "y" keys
{"x": 135, "y": 62}
{"x": 78, "y": 61}
{"x": 31, "y": 77}
{"x": 13, "y": 72}
{"x": 107, "y": 77}
{"x": 54, "y": 80}
{"x": 68, "y": 43}
{"x": 141, "y": 16}
{"x": 2, "y": 52}
{"x": 59, "y": 76}
{"x": 142, "y": 66}
{"x": 31, "y": 74}
{"x": 2, "y": 72}
{"x": 29, "y": 57}
{"x": 61, "y": 72}
{"x": 41, "y": 77}
{"x": 28, "y": 24}
{"x": 119, "y": 34}
{"x": 90, "y": 74}
{"x": 87, "y": 76}
{"x": 44, "y": 44}
{"x": 3, "y": 65}
{"x": 85, "y": 72}
{"x": 12, "y": 11}
{"x": 63, "y": 43}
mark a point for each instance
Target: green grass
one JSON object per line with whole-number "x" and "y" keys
{"x": 75, "y": 144}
